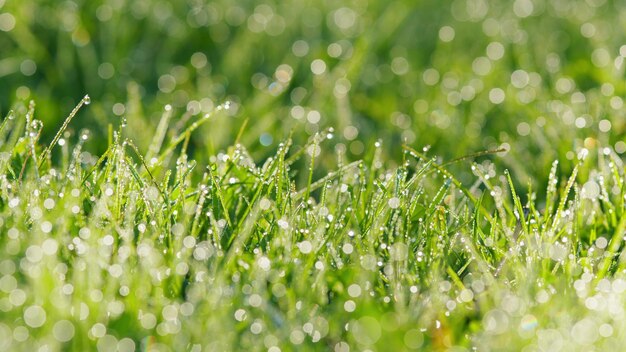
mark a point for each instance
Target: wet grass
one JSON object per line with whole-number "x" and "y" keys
{"x": 309, "y": 175}
{"x": 148, "y": 249}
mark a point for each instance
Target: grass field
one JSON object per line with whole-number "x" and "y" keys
{"x": 308, "y": 175}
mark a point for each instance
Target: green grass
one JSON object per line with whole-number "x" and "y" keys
{"x": 397, "y": 73}
{"x": 124, "y": 251}
{"x": 312, "y": 175}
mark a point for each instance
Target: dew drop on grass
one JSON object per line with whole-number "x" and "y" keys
{"x": 14, "y": 202}
{"x": 63, "y": 330}
{"x": 240, "y": 315}
{"x": 601, "y": 243}
{"x": 529, "y": 322}
{"x": 305, "y": 247}
{"x": 496, "y": 321}
{"x": 36, "y": 124}
{"x": 84, "y": 134}
{"x": 87, "y": 100}
{"x": 590, "y": 190}
{"x": 398, "y": 251}
{"x": 126, "y": 345}
{"x": 354, "y": 290}
{"x": 34, "y": 316}
{"x": 264, "y": 263}
{"x": 349, "y": 306}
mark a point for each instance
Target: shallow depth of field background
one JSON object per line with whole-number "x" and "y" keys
{"x": 397, "y": 252}
{"x": 542, "y": 79}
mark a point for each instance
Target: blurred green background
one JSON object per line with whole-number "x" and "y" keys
{"x": 543, "y": 79}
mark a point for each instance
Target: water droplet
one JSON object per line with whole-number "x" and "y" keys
{"x": 84, "y": 134}
{"x": 87, "y": 100}
{"x": 36, "y": 124}
{"x": 168, "y": 107}
{"x": 394, "y": 202}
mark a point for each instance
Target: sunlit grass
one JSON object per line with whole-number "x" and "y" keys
{"x": 312, "y": 175}
{"x": 120, "y": 252}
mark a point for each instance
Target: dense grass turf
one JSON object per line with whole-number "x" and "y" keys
{"x": 265, "y": 176}
{"x": 123, "y": 251}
